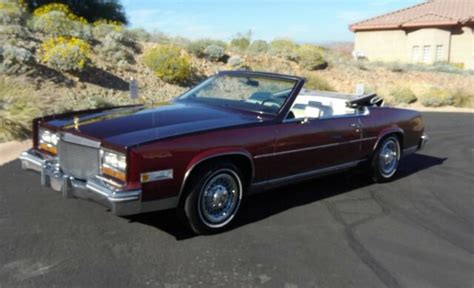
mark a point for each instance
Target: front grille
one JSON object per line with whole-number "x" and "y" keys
{"x": 79, "y": 161}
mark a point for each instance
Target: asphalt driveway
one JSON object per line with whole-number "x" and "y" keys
{"x": 341, "y": 231}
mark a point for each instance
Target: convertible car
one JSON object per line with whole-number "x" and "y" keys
{"x": 234, "y": 134}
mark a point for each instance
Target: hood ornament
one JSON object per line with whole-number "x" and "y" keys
{"x": 76, "y": 123}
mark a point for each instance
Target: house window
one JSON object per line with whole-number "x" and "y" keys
{"x": 416, "y": 54}
{"x": 439, "y": 53}
{"x": 427, "y": 54}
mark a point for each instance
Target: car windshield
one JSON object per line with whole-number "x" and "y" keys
{"x": 256, "y": 93}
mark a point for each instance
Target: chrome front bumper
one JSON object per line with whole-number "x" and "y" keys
{"x": 97, "y": 189}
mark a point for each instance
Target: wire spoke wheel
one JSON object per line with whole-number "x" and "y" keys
{"x": 389, "y": 156}
{"x": 220, "y": 198}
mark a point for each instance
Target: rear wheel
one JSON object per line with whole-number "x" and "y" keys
{"x": 386, "y": 159}
{"x": 213, "y": 197}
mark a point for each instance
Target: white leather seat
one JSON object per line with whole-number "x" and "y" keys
{"x": 312, "y": 112}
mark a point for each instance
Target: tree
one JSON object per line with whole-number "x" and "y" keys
{"x": 91, "y": 10}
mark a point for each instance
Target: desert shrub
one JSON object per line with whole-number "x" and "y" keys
{"x": 14, "y": 59}
{"x": 285, "y": 48}
{"x": 138, "y": 34}
{"x": 168, "y": 63}
{"x": 92, "y": 10}
{"x": 311, "y": 57}
{"x": 214, "y": 52}
{"x": 198, "y": 47}
{"x": 240, "y": 43}
{"x": 103, "y": 27}
{"x": 258, "y": 46}
{"x": 113, "y": 50}
{"x": 462, "y": 98}
{"x": 57, "y": 20}
{"x": 436, "y": 97}
{"x": 13, "y": 31}
{"x": 236, "y": 62}
{"x": 66, "y": 54}
{"x": 12, "y": 13}
{"x": 403, "y": 95}
{"x": 316, "y": 82}
{"x": 17, "y": 109}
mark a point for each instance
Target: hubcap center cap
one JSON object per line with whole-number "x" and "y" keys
{"x": 219, "y": 196}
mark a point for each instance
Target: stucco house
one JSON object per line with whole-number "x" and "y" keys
{"x": 433, "y": 31}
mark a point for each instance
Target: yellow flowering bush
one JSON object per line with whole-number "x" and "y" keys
{"x": 66, "y": 53}
{"x": 169, "y": 63}
{"x": 45, "y": 9}
{"x": 103, "y": 27}
{"x": 58, "y": 20}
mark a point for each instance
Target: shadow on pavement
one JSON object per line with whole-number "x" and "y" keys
{"x": 261, "y": 206}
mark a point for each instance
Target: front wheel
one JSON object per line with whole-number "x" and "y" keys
{"x": 213, "y": 197}
{"x": 386, "y": 159}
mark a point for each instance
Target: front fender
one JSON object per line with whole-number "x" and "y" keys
{"x": 214, "y": 153}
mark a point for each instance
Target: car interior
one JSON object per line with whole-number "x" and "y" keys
{"x": 320, "y": 106}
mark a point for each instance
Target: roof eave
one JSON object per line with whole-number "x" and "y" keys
{"x": 406, "y": 25}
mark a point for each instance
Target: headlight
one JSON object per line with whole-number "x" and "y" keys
{"x": 48, "y": 141}
{"x": 113, "y": 164}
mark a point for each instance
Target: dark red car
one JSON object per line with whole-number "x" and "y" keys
{"x": 234, "y": 134}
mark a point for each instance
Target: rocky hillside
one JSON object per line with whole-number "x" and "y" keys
{"x": 53, "y": 61}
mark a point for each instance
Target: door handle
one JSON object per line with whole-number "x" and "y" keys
{"x": 356, "y": 126}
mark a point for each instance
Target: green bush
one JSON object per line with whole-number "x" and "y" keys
{"x": 403, "y": 95}
{"x": 198, "y": 47}
{"x": 311, "y": 57}
{"x": 17, "y": 110}
{"x": 113, "y": 50}
{"x": 169, "y": 64}
{"x": 258, "y": 46}
{"x": 65, "y": 54}
{"x": 464, "y": 99}
{"x": 315, "y": 82}
{"x": 15, "y": 59}
{"x": 283, "y": 47}
{"x": 239, "y": 44}
{"x": 214, "y": 53}
{"x": 102, "y": 28}
{"x": 436, "y": 97}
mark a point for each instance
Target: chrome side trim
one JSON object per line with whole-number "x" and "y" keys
{"x": 71, "y": 138}
{"x": 314, "y": 148}
{"x": 188, "y": 172}
{"x": 308, "y": 174}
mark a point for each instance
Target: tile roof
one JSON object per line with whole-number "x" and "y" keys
{"x": 431, "y": 13}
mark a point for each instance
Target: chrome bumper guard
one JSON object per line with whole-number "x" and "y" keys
{"x": 424, "y": 139}
{"x": 120, "y": 202}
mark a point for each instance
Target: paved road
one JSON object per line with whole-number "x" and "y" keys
{"x": 340, "y": 231}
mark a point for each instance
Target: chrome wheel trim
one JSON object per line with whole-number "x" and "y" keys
{"x": 389, "y": 157}
{"x": 219, "y": 198}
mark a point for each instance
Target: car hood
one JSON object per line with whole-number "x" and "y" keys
{"x": 131, "y": 126}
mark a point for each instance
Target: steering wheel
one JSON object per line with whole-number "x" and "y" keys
{"x": 272, "y": 101}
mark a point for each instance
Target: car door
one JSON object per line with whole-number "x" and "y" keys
{"x": 311, "y": 144}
